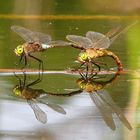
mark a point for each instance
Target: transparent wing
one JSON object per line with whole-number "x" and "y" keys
{"x": 99, "y": 40}
{"x": 55, "y": 107}
{"x": 41, "y": 37}
{"x": 104, "y": 109}
{"x": 116, "y": 32}
{"x": 94, "y": 36}
{"x": 58, "y": 43}
{"x": 40, "y": 115}
{"x": 31, "y": 36}
{"x": 106, "y": 97}
{"x": 80, "y": 41}
{"x": 113, "y": 31}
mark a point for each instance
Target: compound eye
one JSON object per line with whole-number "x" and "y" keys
{"x": 17, "y": 91}
{"x": 82, "y": 85}
{"x": 20, "y": 50}
{"x": 83, "y": 56}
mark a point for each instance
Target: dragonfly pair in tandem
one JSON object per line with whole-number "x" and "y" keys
{"x": 92, "y": 46}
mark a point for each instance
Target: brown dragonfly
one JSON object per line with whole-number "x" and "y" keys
{"x": 94, "y": 86}
{"x": 35, "y": 42}
{"x": 34, "y": 96}
{"x": 95, "y": 45}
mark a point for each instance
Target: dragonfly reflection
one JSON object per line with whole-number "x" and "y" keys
{"x": 94, "y": 45}
{"x": 35, "y": 42}
{"x": 102, "y": 100}
{"x": 34, "y": 96}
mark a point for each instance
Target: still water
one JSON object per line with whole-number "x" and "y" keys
{"x": 67, "y": 111}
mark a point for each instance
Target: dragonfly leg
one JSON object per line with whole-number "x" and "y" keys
{"x": 20, "y": 60}
{"x": 19, "y": 79}
{"x": 38, "y": 80}
{"x": 25, "y": 60}
{"x": 101, "y": 63}
{"x": 92, "y": 73}
{"x": 24, "y": 80}
{"x": 40, "y": 61}
{"x": 81, "y": 73}
{"x": 87, "y": 68}
{"x": 40, "y": 64}
{"x": 94, "y": 63}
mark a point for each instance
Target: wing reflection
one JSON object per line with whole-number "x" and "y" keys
{"x": 102, "y": 100}
{"x": 93, "y": 85}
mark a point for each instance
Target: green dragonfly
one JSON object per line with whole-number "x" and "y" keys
{"x": 35, "y": 42}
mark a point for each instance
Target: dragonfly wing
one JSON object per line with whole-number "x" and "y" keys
{"x": 99, "y": 40}
{"x": 23, "y": 32}
{"x": 31, "y": 36}
{"x": 40, "y": 115}
{"x": 104, "y": 109}
{"x": 114, "y": 33}
{"x": 58, "y": 43}
{"x": 117, "y": 110}
{"x": 105, "y": 96}
{"x": 94, "y": 36}
{"x": 80, "y": 41}
{"x": 102, "y": 43}
{"x": 55, "y": 107}
{"x": 41, "y": 37}
{"x": 123, "y": 118}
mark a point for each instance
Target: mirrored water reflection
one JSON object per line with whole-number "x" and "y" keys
{"x": 75, "y": 110}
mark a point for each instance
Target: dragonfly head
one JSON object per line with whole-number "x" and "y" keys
{"x": 83, "y": 57}
{"x": 81, "y": 83}
{"x": 19, "y": 50}
{"x": 17, "y": 91}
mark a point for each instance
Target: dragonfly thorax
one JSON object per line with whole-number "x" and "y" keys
{"x": 32, "y": 47}
{"x": 94, "y": 53}
{"x": 90, "y": 54}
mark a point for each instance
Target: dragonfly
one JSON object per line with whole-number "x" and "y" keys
{"x": 34, "y": 96}
{"x": 94, "y": 45}
{"x": 101, "y": 98}
{"x": 34, "y": 42}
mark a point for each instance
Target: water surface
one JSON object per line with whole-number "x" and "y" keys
{"x": 83, "y": 118}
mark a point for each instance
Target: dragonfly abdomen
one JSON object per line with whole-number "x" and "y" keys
{"x": 45, "y": 46}
{"x": 115, "y": 57}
